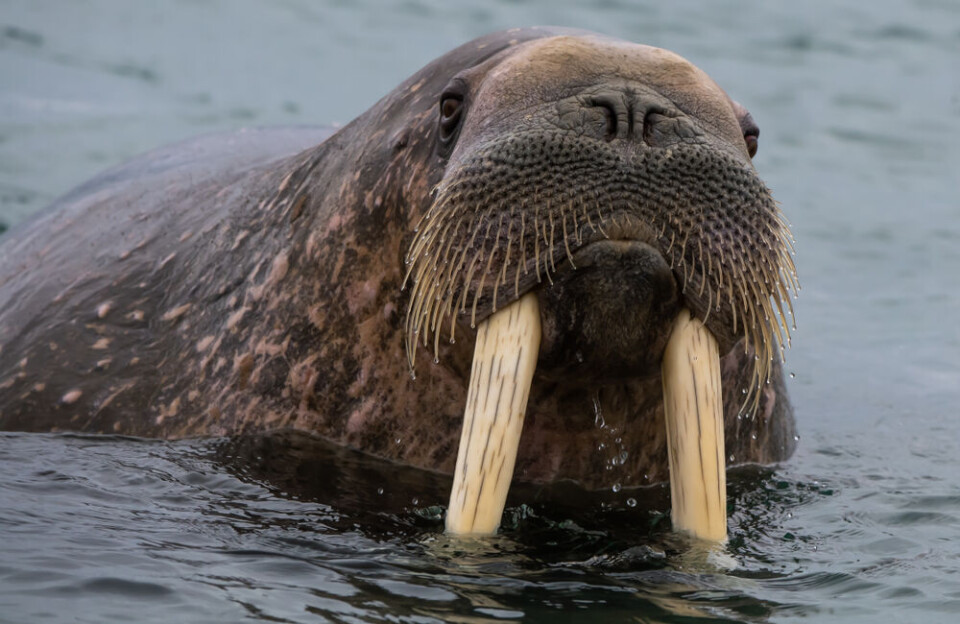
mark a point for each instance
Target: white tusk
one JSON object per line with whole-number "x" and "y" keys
{"x": 504, "y": 359}
{"x": 693, "y": 408}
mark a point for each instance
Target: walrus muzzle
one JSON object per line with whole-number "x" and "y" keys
{"x": 514, "y": 213}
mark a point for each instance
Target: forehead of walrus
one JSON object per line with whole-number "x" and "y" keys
{"x": 510, "y": 87}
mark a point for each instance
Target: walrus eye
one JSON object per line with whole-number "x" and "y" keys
{"x": 451, "y": 112}
{"x": 749, "y": 128}
{"x": 751, "y": 131}
{"x": 751, "y": 140}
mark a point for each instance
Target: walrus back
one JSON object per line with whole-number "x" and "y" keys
{"x": 82, "y": 283}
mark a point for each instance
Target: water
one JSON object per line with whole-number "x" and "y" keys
{"x": 859, "y": 107}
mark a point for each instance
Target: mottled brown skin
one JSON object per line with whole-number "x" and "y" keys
{"x": 254, "y": 283}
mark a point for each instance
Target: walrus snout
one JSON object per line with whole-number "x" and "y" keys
{"x": 631, "y": 116}
{"x": 608, "y": 319}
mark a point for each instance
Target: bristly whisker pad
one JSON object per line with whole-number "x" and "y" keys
{"x": 509, "y": 213}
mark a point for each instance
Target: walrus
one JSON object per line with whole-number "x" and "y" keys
{"x": 334, "y": 282}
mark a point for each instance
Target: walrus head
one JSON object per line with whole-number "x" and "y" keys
{"x": 595, "y": 195}
{"x": 614, "y": 180}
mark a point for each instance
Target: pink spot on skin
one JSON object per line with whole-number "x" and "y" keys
{"x": 362, "y": 295}
{"x": 285, "y": 182}
{"x": 203, "y": 343}
{"x": 100, "y": 345}
{"x": 235, "y": 318}
{"x": 278, "y": 271}
{"x": 239, "y": 239}
{"x": 175, "y": 313}
{"x": 71, "y": 397}
{"x": 164, "y": 262}
{"x": 361, "y": 416}
{"x": 334, "y": 223}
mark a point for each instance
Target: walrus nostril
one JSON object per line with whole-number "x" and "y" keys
{"x": 647, "y": 132}
{"x": 625, "y": 117}
{"x": 653, "y": 117}
{"x": 609, "y": 110}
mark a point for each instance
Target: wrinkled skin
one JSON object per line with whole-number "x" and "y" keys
{"x": 254, "y": 283}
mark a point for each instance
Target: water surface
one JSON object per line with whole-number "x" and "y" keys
{"x": 859, "y": 108}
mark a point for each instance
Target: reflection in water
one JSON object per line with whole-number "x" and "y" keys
{"x": 560, "y": 547}
{"x": 859, "y": 107}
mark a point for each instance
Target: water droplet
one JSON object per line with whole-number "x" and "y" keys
{"x": 731, "y": 458}
{"x": 789, "y": 515}
{"x": 744, "y": 391}
{"x": 380, "y": 491}
{"x": 753, "y": 436}
{"x": 796, "y": 438}
{"x": 453, "y": 340}
{"x": 615, "y": 488}
{"x": 793, "y": 375}
{"x": 631, "y": 502}
{"x": 415, "y": 501}
{"x": 397, "y": 440}
{"x": 436, "y": 360}
{"x": 598, "y": 412}
{"x": 579, "y": 356}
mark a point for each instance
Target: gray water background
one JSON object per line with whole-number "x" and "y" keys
{"x": 859, "y": 109}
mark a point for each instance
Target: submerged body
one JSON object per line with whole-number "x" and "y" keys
{"x": 255, "y": 282}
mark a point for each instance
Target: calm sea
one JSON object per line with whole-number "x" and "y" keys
{"x": 859, "y": 106}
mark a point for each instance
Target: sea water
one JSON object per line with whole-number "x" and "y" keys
{"x": 859, "y": 110}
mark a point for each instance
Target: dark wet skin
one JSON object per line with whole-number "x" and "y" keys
{"x": 211, "y": 298}
{"x": 609, "y": 319}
